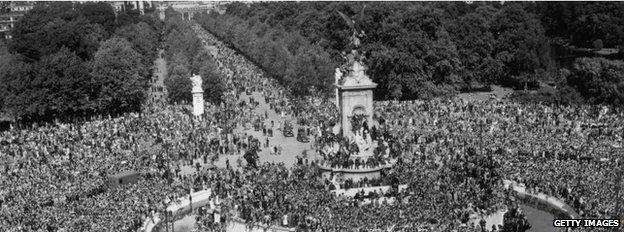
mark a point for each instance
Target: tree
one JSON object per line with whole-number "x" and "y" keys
{"x": 475, "y": 44}
{"x": 557, "y": 18}
{"x": 213, "y": 85}
{"x": 49, "y": 36}
{"x": 581, "y": 23}
{"x": 520, "y": 44}
{"x": 57, "y": 87}
{"x": 144, "y": 40}
{"x": 589, "y": 28}
{"x": 100, "y": 13}
{"x": 67, "y": 83}
{"x": 178, "y": 88}
{"x": 49, "y": 26}
{"x": 125, "y": 19}
{"x": 14, "y": 74}
{"x": 599, "y": 80}
{"x": 117, "y": 71}
{"x": 413, "y": 50}
{"x": 3, "y": 49}
{"x": 178, "y": 81}
{"x": 152, "y": 20}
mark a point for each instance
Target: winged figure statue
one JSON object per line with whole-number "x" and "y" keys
{"x": 355, "y": 39}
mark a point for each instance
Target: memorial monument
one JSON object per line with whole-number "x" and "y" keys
{"x": 354, "y": 89}
{"x": 354, "y": 98}
{"x": 198, "y": 95}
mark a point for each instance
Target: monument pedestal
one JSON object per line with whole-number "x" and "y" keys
{"x": 354, "y": 100}
{"x": 198, "y": 103}
{"x": 355, "y": 97}
{"x": 198, "y": 96}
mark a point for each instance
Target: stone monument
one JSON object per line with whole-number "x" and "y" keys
{"x": 355, "y": 97}
{"x": 354, "y": 89}
{"x": 198, "y": 95}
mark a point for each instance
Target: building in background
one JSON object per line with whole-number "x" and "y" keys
{"x": 117, "y": 6}
{"x": 9, "y": 16}
{"x": 124, "y": 6}
{"x": 189, "y": 8}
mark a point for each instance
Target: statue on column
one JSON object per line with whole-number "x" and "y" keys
{"x": 356, "y": 36}
{"x": 355, "y": 41}
{"x": 198, "y": 95}
{"x": 196, "y": 81}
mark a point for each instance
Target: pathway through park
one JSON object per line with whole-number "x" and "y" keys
{"x": 160, "y": 72}
{"x": 291, "y": 148}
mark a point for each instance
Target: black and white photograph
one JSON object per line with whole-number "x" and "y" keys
{"x": 311, "y": 116}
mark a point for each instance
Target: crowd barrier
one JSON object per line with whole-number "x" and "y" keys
{"x": 543, "y": 202}
{"x": 239, "y": 225}
{"x": 355, "y": 170}
{"x": 352, "y": 191}
{"x": 539, "y": 201}
{"x": 182, "y": 206}
{"x": 202, "y": 198}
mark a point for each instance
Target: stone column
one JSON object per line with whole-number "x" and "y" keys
{"x": 198, "y": 96}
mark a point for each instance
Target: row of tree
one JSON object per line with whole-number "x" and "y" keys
{"x": 583, "y": 24}
{"x": 69, "y": 60}
{"x": 186, "y": 56}
{"x": 597, "y": 79}
{"x": 413, "y": 49}
{"x": 593, "y": 80}
{"x": 286, "y": 55}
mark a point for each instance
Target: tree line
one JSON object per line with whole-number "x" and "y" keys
{"x": 419, "y": 49}
{"x": 286, "y": 55}
{"x": 583, "y": 24}
{"x": 69, "y": 60}
{"x": 185, "y": 55}
{"x": 413, "y": 50}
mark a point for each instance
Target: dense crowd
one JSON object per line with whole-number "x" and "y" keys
{"x": 480, "y": 144}
{"x": 576, "y": 147}
{"x": 452, "y": 155}
{"x": 299, "y": 197}
{"x": 52, "y": 173}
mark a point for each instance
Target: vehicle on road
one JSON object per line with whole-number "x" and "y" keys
{"x": 288, "y": 129}
{"x": 302, "y": 136}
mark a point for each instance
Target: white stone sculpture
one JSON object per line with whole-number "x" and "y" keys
{"x": 198, "y": 95}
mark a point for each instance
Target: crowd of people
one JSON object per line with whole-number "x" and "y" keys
{"x": 563, "y": 151}
{"x": 299, "y": 197}
{"x": 52, "y": 173}
{"x": 479, "y": 144}
{"x": 453, "y": 156}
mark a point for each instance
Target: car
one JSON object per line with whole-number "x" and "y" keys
{"x": 302, "y": 136}
{"x": 288, "y": 129}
